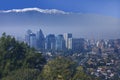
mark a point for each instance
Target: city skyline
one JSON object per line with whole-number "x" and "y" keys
{"x": 65, "y": 42}
{"x": 52, "y": 42}
{"x": 59, "y": 39}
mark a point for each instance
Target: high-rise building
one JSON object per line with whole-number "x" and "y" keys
{"x": 60, "y": 42}
{"x": 77, "y": 44}
{"x": 70, "y": 41}
{"x": 50, "y": 42}
{"x": 68, "y": 37}
{"x": 27, "y": 37}
{"x": 40, "y": 40}
{"x": 33, "y": 40}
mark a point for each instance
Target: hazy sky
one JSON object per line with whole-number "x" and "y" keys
{"x": 104, "y": 7}
{"x": 98, "y": 17}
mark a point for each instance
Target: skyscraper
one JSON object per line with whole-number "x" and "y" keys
{"x": 50, "y": 42}
{"x": 27, "y": 36}
{"x": 68, "y": 37}
{"x": 70, "y": 40}
{"x": 33, "y": 40}
{"x": 40, "y": 40}
{"x": 60, "y": 42}
{"x": 78, "y": 44}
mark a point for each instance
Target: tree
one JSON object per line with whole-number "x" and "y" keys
{"x": 58, "y": 69}
{"x": 16, "y": 55}
{"x": 22, "y": 74}
{"x": 63, "y": 68}
{"x": 81, "y": 75}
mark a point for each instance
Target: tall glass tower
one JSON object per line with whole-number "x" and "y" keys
{"x": 50, "y": 42}
{"x": 68, "y": 42}
{"x": 60, "y": 42}
{"x": 33, "y": 40}
{"x": 27, "y": 36}
{"x": 40, "y": 40}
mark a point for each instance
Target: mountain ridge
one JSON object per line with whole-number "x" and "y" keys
{"x": 47, "y": 11}
{"x": 81, "y": 25}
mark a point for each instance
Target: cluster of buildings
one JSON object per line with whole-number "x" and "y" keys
{"x": 104, "y": 66}
{"x": 60, "y": 42}
{"x": 100, "y": 58}
{"x": 63, "y": 42}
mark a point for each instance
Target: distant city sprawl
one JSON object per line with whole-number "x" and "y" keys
{"x": 100, "y": 58}
{"x": 66, "y": 41}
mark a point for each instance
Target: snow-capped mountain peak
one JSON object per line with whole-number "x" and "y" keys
{"x": 47, "y": 11}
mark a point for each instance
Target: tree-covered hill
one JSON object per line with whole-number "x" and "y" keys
{"x": 20, "y": 62}
{"x": 19, "y": 59}
{"x": 62, "y": 68}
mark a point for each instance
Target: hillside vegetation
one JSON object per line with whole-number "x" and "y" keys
{"x": 20, "y": 62}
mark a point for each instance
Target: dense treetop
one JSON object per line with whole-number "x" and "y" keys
{"x": 20, "y": 62}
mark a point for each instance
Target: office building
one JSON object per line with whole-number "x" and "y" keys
{"x": 68, "y": 40}
{"x": 78, "y": 44}
{"x": 33, "y": 41}
{"x": 50, "y": 42}
{"x": 27, "y": 37}
{"x": 40, "y": 40}
{"x": 60, "y": 42}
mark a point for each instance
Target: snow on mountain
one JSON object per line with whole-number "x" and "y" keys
{"x": 47, "y": 11}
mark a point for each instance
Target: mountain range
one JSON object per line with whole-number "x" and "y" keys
{"x": 18, "y": 21}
